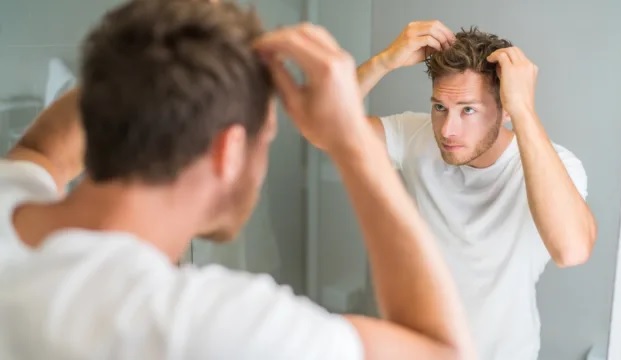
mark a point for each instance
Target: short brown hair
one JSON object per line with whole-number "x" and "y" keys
{"x": 469, "y": 52}
{"x": 161, "y": 78}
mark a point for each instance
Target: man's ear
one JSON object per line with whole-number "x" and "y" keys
{"x": 228, "y": 152}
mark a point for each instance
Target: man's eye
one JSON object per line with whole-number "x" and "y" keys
{"x": 469, "y": 110}
{"x": 438, "y": 107}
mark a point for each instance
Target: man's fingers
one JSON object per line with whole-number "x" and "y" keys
{"x": 436, "y": 28}
{"x": 286, "y": 86}
{"x": 432, "y": 42}
{"x": 291, "y": 44}
{"x": 517, "y": 55}
{"x": 440, "y": 36}
{"x": 450, "y": 36}
{"x": 320, "y": 36}
{"x": 500, "y": 56}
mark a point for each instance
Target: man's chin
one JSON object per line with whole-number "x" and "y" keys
{"x": 451, "y": 159}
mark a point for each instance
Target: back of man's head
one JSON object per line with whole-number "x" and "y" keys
{"x": 160, "y": 79}
{"x": 469, "y": 52}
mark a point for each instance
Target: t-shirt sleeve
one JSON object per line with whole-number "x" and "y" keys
{"x": 575, "y": 169}
{"x": 20, "y": 181}
{"x": 399, "y": 129}
{"x": 578, "y": 175}
{"x": 26, "y": 176}
{"x": 237, "y": 315}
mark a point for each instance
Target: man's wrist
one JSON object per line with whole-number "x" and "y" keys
{"x": 522, "y": 113}
{"x": 356, "y": 146}
{"x": 381, "y": 63}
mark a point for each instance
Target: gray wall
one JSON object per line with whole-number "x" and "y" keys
{"x": 576, "y": 46}
{"x": 33, "y": 31}
{"x": 286, "y": 176}
{"x": 339, "y": 259}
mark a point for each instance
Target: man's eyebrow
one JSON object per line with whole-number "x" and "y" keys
{"x": 463, "y": 102}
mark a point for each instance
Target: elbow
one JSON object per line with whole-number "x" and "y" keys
{"x": 579, "y": 246}
{"x": 460, "y": 353}
{"x": 572, "y": 258}
{"x": 575, "y": 255}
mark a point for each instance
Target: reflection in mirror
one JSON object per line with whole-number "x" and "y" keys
{"x": 510, "y": 276}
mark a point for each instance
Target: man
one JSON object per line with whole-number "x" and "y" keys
{"x": 500, "y": 202}
{"x": 177, "y": 111}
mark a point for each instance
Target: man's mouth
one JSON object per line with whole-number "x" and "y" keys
{"x": 451, "y": 147}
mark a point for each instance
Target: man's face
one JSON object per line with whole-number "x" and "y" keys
{"x": 240, "y": 199}
{"x": 465, "y": 115}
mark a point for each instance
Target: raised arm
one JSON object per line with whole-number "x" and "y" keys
{"x": 563, "y": 218}
{"x": 418, "y": 300}
{"x": 414, "y": 44}
{"x": 55, "y": 141}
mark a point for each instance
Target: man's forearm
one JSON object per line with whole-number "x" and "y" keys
{"x": 561, "y": 215}
{"x": 370, "y": 73}
{"x": 413, "y": 286}
{"x": 55, "y": 140}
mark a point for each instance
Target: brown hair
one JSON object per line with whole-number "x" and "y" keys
{"x": 160, "y": 78}
{"x": 469, "y": 52}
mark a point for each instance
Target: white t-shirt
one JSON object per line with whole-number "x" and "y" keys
{"x": 485, "y": 230}
{"x": 20, "y": 181}
{"x": 108, "y": 295}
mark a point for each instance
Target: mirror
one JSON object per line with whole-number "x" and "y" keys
{"x": 303, "y": 231}
{"x": 574, "y": 303}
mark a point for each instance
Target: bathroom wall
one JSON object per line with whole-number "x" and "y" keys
{"x": 286, "y": 180}
{"x": 337, "y": 266}
{"x": 33, "y": 31}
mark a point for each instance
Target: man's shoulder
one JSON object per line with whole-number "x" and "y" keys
{"x": 568, "y": 157}
{"x": 562, "y": 150}
{"x": 28, "y": 177}
{"x": 411, "y": 116}
{"x": 123, "y": 287}
{"x": 409, "y": 124}
{"x": 20, "y": 182}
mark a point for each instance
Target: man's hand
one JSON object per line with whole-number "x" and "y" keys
{"x": 518, "y": 78}
{"x": 415, "y": 43}
{"x": 328, "y": 108}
